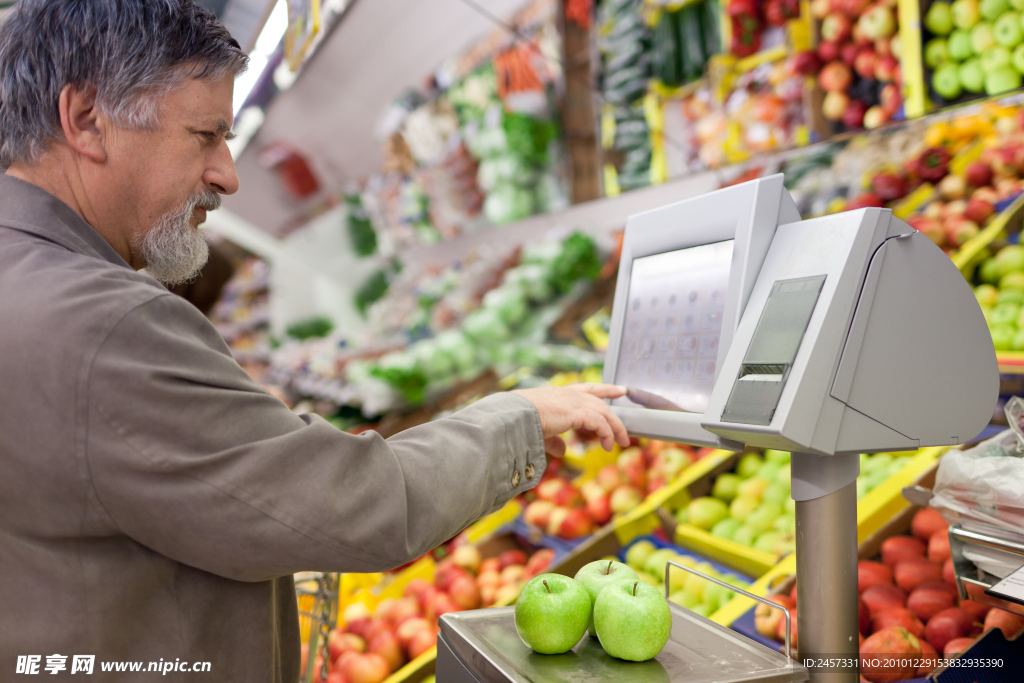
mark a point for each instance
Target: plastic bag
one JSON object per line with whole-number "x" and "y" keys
{"x": 983, "y": 487}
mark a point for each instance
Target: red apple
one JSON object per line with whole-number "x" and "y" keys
{"x": 875, "y": 116}
{"x": 881, "y": 596}
{"x": 926, "y": 522}
{"x": 835, "y": 28}
{"x": 869, "y": 573}
{"x": 929, "y": 227}
{"x": 568, "y": 496}
{"x": 422, "y": 642}
{"x": 948, "y": 625}
{"x": 538, "y": 513}
{"x": 766, "y": 619}
{"x": 446, "y": 572}
{"x": 600, "y": 509}
{"x": 865, "y": 199}
{"x": 827, "y": 52}
{"x": 886, "y": 68}
{"x": 926, "y": 602}
{"x": 899, "y": 548}
{"x": 465, "y": 593}
{"x": 490, "y": 564}
{"x": 956, "y": 647}
{"x": 339, "y": 642}
{"x": 511, "y": 557}
{"x": 611, "y": 477}
{"x": 427, "y": 597}
{"x": 958, "y": 231}
{"x": 558, "y": 515}
{"x": 863, "y": 617}
{"x": 978, "y": 211}
{"x": 368, "y": 668}
{"x": 805, "y": 63}
{"x": 897, "y": 616}
{"x": 547, "y": 490}
{"x": 539, "y": 562}
{"x": 336, "y": 677}
{"x": 1010, "y": 624}
{"x": 386, "y": 645}
{"x": 576, "y": 524}
{"x": 512, "y": 574}
{"x": 835, "y": 77}
{"x": 864, "y": 64}
{"x": 909, "y": 574}
{"x": 442, "y": 605}
{"x": 848, "y": 54}
{"x": 780, "y": 634}
{"x": 986, "y": 194}
{"x": 929, "y": 659}
{"x": 375, "y": 627}
{"x": 407, "y": 630}
{"x": 854, "y": 8}
{"x": 978, "y": 173}
{"x": 488, "y": 595}
{"x": 591, "y": 490}
{"x": 415, "y": 587}
{"x": 891, "y": 99}
{"x": 977, "y": 610}
{"x": 853, "y": 117}
{"x": 889, "y": 655}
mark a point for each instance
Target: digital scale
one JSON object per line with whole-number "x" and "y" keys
{"x": 737, "y": 324}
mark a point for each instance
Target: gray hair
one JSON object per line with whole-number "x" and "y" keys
{"x": 130, "y": 52}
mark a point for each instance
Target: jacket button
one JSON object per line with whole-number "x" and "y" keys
{"x": 515, "y": 479}
{"x": 530, "y": 470}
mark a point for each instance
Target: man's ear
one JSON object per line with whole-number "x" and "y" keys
{"x": 83, "y": 124}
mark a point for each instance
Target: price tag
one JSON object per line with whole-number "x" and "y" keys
{"x": 1011, "y": 588}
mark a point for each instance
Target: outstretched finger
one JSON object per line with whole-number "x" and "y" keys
{"x": 555, "y": 446}
{"x": 601, "y": 390}
{"x": 594, "y": 421}
{"x": 621, "y": 436}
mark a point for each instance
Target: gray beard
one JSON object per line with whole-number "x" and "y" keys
{"x": 173, "y": 250}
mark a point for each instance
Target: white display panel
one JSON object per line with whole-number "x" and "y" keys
{"x": 672, "y": 327}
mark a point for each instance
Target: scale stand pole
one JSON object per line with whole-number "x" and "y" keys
{"x": 825, "y": 491}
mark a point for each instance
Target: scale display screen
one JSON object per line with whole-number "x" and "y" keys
{"x": 672, "y": 327}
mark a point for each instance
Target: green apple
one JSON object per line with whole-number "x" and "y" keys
{"x": 936, "y": 51}
{"x": 785, "y": 523}
{"x": 766, "y": 540}
{"x": 946, "y": 81}
{"x": 639, "y": 552}
{"x": 726, "y": 528}
{"x": 960, "y": 45}
{"x": 696, "y": 585}
{"x": 1007, "y": 30}
{"x": 715, "y": 596}
{"x": 779, "y": 457}
{"x": 1017, "y": 5}
{"x": 706, "y": 512}
{"x": 775, "y": 493}
{"x": 991, "y": 9}
{"x": 972, "y": 76}
{"x": 784, "y": 476}
{"x": 1002, "y": 79}
{"x": 982, "y": 37}
{"x": 742, "y": 507}
{"x": 1017, "y": 58}
{"x": 701, "y": 609}
{"x": 748, "y": 465}
{"x": 768, "y": 471}
{"x": 633, "y": 621}
{"x": 655, "y": 563}
{"x": 966, "y": 13}
{"x": 596, "y": 576}
{"x": 753, "y": 488}
{"x": 1018, "y": 341}
{"x": 1011, "y": 288}
{"x": 763, "y": 517}
{"x": 1003, "y": 336}
{"x": 876, "y": 462}
{"x": 552, "y": 613}
{"x": 744, "y": 536}
{"x": 726, "y": 486}
{"x": 789, "y": 506}
{"x": 683, "y": 515}
{"x": 995, "y": 58}
{"x": 651, "y": 580}
{"x": 939, "y": 19}
{"x": 684, "y": 599}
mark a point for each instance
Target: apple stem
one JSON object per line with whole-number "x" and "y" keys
{"x": 609, "y": 567}
{"x": 634, "y": 588}
{"x": 546, "y": 586}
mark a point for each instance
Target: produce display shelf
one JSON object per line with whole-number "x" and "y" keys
{"x": 661, "y": 543}
{"x": 748, "y": 560}
{"x": 874, "y": 512}
{"x": 973, "y": 250}
{"x": 1010, "y": 362}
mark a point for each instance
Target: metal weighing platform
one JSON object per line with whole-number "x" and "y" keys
{"x": 482, "y": 646}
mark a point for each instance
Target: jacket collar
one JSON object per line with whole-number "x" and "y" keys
{"x": 30, "y": 209}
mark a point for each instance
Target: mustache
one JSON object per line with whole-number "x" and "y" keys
{"x": 207, "y": 200}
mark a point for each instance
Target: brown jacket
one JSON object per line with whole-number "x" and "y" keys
{"x": 155, "y": 501}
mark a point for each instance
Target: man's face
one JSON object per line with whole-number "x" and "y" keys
{"x": 167, "y": 179}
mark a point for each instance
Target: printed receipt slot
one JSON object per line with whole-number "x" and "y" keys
{"x": 736, "y": 323}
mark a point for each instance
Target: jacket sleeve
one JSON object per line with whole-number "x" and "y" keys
{"x": 190, "y": 457}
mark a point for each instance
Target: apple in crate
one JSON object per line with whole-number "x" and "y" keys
{"x": 766, "y": 619}
{"x": 598, "y": 575}
{"x": 552, "y": 613}
{"x": 633, "y": 621}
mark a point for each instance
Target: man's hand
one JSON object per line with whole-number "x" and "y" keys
{"x": 574, "y": 407}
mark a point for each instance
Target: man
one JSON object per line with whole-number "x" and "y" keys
{"x": 154, "y": 500}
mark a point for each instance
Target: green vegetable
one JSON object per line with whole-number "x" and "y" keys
{"x": 360, "y": 229}
{"x": 410, "y": 382}
{"x": 529, "y": 137}
{"x": 371, "y": 291}
{"x": 577, "y": 260}
{"x": 312, "y": 328}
